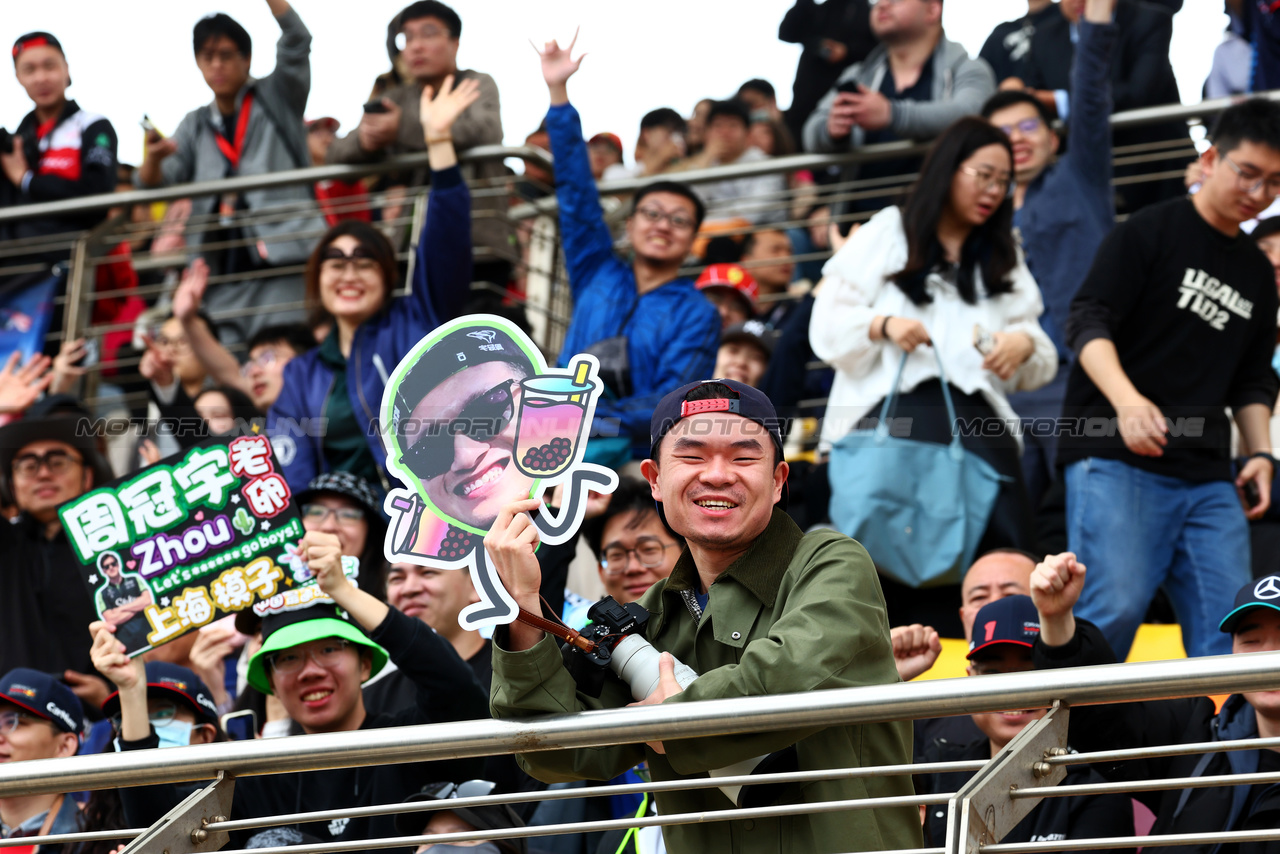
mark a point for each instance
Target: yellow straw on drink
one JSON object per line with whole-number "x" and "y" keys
{"x": 580, "y": 378}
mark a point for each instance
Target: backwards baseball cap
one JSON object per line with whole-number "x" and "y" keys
{"x": 43, "y": 696}
{"x": 492, "y": 817}
{"x": 1260, "y": 593}
{"x": 173, "y": 682}
{"x": 741, "y": 399}
{"x": 1012, "y": 619}
{"x": 287, "y": 629}
{"x": 36, "y": 39}
{"x": 455, "y": 352}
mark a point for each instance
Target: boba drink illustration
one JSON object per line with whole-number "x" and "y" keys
{"x": 551, "y": 416}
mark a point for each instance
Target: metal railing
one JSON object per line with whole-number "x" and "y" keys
{"x": 1000, "y": 794}
{"x": 541, "y": 280}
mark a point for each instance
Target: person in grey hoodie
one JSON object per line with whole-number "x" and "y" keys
{"x": 912, "y": 86}
{"x": 253, "y": 127}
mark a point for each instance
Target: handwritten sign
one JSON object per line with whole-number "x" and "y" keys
{"x": 201, "y": 534}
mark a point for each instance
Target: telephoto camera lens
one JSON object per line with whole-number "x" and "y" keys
{"x": 636, "y": 663}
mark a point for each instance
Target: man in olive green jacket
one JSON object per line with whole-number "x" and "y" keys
{"x": 753, "y": 605}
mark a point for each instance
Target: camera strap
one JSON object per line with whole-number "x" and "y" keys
{"x": 691, "y": 602}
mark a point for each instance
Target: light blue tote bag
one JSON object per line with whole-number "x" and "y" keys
{"x": 919, "y": 508}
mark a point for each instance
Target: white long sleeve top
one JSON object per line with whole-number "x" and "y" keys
{"x": 856, "y": 288}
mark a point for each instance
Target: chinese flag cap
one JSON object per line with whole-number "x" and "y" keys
{"x": 36, "y": 39}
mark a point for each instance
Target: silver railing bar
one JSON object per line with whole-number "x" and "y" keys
{"x": 1161, "y": 750}
{"x": 613, "y": 824}
{"x": 1147, "y": 785}
{"x": 652, "y": 787}
{"x": 82, "y": 836}
{"x": 1148, "y": 842}
{"x": 245, "y": 183}
{"x": 844, "y": 706}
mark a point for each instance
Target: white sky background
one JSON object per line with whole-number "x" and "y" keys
{"x": 134, "y": 57}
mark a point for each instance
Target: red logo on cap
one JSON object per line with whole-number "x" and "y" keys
{"x": 719, "y": 404}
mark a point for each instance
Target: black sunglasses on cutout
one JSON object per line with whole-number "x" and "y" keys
{"x": 484, "y": 417}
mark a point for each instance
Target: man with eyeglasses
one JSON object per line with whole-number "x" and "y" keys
{"x": 633, "y": 544}
{"x": 422, "y": 42}
{"x": 40, "y": 718}
{"x": 254, "y": 126}
{"x": 44, "y": 603}
{"x": 1175, "y": 323}
{"x": 648, "y": 325}
{"x": 314, "y": 661}
{"x": 1063, "y": 208}
{"x": 121, "y": 600}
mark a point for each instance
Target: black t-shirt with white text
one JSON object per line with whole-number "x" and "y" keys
{"x": 1192, "y": 313}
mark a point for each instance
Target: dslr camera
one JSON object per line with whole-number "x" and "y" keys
{"x": 618, "y": 634}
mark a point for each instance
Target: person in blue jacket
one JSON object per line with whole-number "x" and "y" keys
{"x": 325, "y": 417}
{"x": 1063, "y": 207}
{"x": 652, "y": 330}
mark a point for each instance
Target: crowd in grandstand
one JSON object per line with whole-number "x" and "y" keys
{"x": 1093, "y": 348}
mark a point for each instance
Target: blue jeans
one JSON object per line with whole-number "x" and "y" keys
{"x": 1136, "y": 531}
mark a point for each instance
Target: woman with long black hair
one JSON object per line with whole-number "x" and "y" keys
{"x": 941, "y": 278}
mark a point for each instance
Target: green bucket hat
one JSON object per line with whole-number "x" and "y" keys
{"x": 287, "y": 629}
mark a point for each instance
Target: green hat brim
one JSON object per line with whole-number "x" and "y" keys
{"x": 305, "y": 632}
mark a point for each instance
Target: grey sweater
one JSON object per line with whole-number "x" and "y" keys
{"x": 275, "y": 140}
{"x": 960, "y": 87}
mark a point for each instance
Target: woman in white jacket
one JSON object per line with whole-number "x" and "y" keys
{"x": 932, "y": 277}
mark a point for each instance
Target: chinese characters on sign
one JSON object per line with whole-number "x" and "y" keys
{"x": 199, "y": 535}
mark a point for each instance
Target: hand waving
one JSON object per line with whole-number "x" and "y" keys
{"x": 439, "y": 112}
{"x": 190, "y": 292}
{"x": 20, "y": 386}
{"x": 558, "y": 65}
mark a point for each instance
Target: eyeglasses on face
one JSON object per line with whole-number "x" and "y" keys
{"x": 11, "y": 720}
{"x": 1250, "y": 181}
{"x": 318, "y": 513}
{"x": 327, "y": 655}
{"x": 337, "y": 263}
{"x": 58, "y": 462}
{"x": 653, "y": 216}
{"x": 160, "y": 715}
{"x": 264, "y": 360}
{"x": 987, "y": 179}
{"x": 483, "y": 418}
{"x": 649, "y": 551}
{"x": 1026, "y": 127}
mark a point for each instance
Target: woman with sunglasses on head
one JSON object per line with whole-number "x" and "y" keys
{"x": 940, "y": 278}
{"x": 350, "y": 279}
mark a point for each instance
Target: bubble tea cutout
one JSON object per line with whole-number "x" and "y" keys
{"x": 549, "y": 422}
